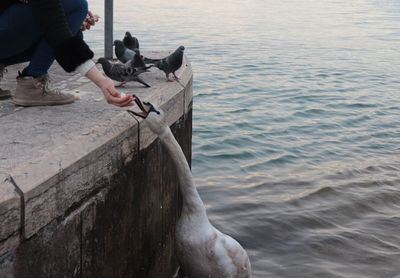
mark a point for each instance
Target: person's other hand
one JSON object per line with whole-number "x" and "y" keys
{"x": 89, "y": 21}
{"x": 112, "y": 95}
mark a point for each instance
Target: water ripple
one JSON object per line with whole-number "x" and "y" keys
{"x": 296, "y": 127}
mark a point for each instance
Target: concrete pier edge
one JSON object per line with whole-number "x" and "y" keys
{"x": 60, "y": 181}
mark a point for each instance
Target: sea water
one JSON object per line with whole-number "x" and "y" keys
{"x": 296, "y": 125}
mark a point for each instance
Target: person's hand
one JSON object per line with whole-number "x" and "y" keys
{"x": 89, "y": 21}
{"x": 107, "y": 87}
{"x": 112, "y": 95}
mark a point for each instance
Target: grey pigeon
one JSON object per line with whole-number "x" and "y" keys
{"x": 138, "y": 59}
{"x": 123, "y": 72}
{"x": 150, "y": 60}
{"x": 123, "y": 54}
{"x": 130, "y": 42}
{"x": 171, "y": 63}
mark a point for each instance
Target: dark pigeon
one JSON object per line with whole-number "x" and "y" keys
{"x": 138, "y": 59}
{"x": 171, "y": 63}
{"x": 123, "y": 72}
{"x": 130, "y": 42}
{"x": 150, "y": 61}
{"x": 123, "y": 54}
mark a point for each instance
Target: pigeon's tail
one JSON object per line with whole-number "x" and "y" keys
{"x": 141, "y": 70}
{"x": 150, "y": 61}
{"x": 147, "y": 68}
{"x": 140, "y": 80}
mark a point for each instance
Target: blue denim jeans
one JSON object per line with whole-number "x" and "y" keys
{"x": 22, "y": 41}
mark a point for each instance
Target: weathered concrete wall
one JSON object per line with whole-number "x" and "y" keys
{"x": 101, "y": 202}
{"x": 124, "y": 229}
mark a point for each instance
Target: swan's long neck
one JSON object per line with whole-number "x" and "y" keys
{"x": 191, "y": 199}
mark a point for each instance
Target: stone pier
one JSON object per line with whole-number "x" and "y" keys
{"x": 85, "y": 189}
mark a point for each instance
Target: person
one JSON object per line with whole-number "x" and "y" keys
{"x": 41, "y": 31}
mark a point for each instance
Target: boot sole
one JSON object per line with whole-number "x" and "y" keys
{"x": 40, "y": 103}
{"x": 3, "y": 97}
{"x": 5, "y": 94}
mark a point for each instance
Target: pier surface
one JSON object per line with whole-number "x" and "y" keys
{"x": 85, "y": 189}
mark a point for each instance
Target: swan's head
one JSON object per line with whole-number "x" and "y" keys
{"x": 153, "y": 116}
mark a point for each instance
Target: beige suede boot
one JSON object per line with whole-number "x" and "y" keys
{"x": 39, "y": 92}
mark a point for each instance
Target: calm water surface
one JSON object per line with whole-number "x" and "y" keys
{"x": 296, "y": 137}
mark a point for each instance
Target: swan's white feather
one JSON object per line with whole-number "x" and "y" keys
{"x": 202, "y": 250}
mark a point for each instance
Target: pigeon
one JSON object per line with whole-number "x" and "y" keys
{"x": 150, "y": 60}
{"x": 138, "y": 59}
{"x": 171, "y": 63}
{"x": 123, "y": 72}
{"x": 130, "y": 42}
{"x": 123, "y": 54}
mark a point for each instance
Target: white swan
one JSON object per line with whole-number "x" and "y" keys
{"x": 202, "y": 250}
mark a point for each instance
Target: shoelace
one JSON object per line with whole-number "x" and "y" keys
{"x": 44, "y": 83}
